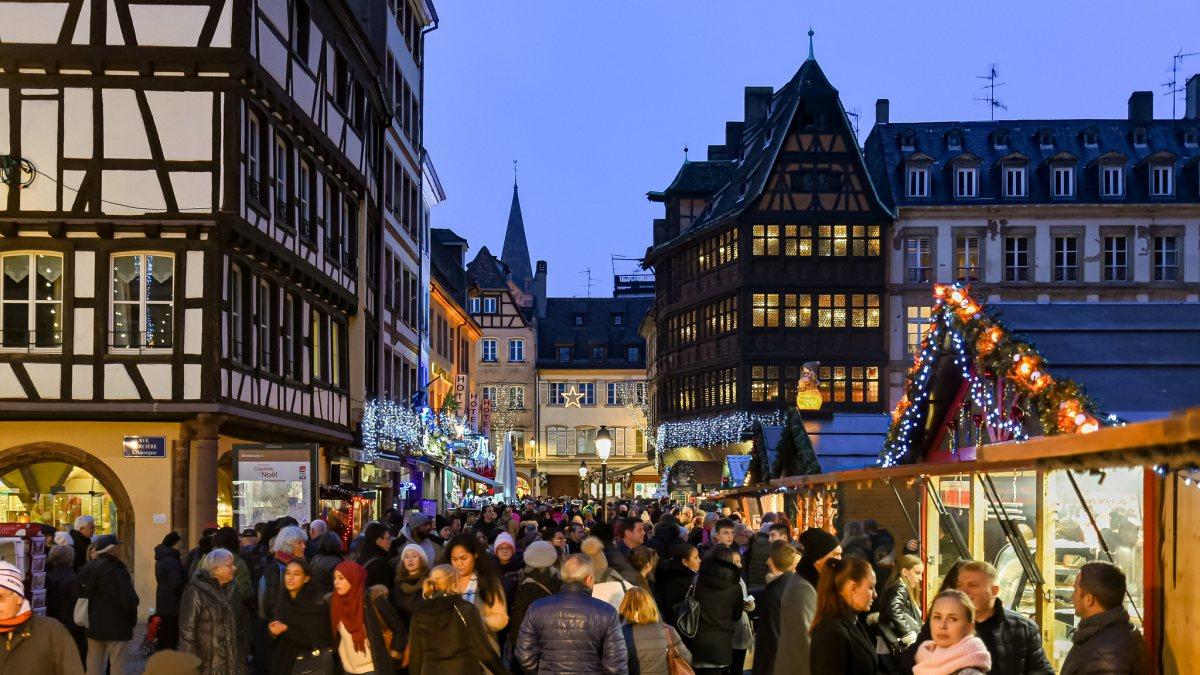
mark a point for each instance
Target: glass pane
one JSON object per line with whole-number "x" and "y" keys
{"x": 16, "y": 324}
{"x": 16, "y": 277}
{"x": 160, "y": 270}
{"x": 50, "y": 275}
{"x": 126, "y": 323}
{"x": 48, "y": 324}
{"x": 127, "y": 273}
{"x": 1018, "y": 501}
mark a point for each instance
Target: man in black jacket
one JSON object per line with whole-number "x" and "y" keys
{"x": 570, "y": 631}
{"x": 768, "y": 602}
{"x": 112, "y": 606}
{"x": 81, "y": 539}
{"x": 1104, "y": 641}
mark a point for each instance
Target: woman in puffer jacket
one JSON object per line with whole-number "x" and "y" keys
{"x": 647, "y": 638}
{"x": 447, "y": 637}
{"x": 719, "y": 594}
{"x": 208, "y": 616}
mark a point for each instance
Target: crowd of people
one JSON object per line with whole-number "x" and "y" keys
{"x": 541, "y": 588}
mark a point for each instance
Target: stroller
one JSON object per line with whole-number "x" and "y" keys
{"x": 151, "y": 639}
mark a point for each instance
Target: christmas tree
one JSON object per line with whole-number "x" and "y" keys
{"x": 795, "y": 455}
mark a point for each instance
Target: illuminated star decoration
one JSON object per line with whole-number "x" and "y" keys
{"x": 572, "y": 397}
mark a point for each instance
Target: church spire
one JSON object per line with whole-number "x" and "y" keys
{"x": 515, "y": 253}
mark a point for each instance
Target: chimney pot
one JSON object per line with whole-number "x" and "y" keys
{"x": 1141, "y": 107}
{"x": 882, "y": 110}
{"x": 1192, "y": 89}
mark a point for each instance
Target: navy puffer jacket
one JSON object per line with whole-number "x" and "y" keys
{"x": 571, "y": 632}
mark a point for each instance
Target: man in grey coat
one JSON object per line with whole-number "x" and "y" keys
{"x": 1105, "y": 641}
{"x": 799, "y": 601}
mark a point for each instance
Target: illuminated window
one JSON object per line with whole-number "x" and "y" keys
{"x": 966, "y": 258}
{"x": 766, "y": 310}
{"x": 833, "y": 240}
{"x": 764, "y": 383}
{"x": 864, "y": 240}
{"x": 918, "y": 260}
{"x": 797, "y": 240}
{"x": 765, "y": 240}
{"x": 797, "y": 311}
{"x": 31, "y": 295}
{"x": 831, "y": 311}
{"x": 853, "y": 384}
{"x": 916, "y": 323}
{"x": 864, "y": 310}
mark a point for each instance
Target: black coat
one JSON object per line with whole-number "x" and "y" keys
{"x": 1107, "y": 644}
{"x": 897, "y": 611}
{"x": 1014, "y": 642}
{"x": 665, "y": 536}
{"x": 571, "y": 632}
{"x": 208, "y": 625}
{"x": 62, "y": 590}
{"x": 671, "y": 583}
{"x": 842, "y": 646}
{"x": 375, "y": 560}
{"x": 168, "y": 573}
{"x": 112, "y": 602}
{"x": 81, "y": 544}
{"x": 719, "y": 592}
{"x": 767, "y": 614}
{"x": 536, "y": 584}
{"x": 755, "y": 564}
{"x": 307, "y": 619}
{"x": 447, "y": 637}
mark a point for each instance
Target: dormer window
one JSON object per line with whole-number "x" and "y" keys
{"x": 1112, "y": 180}
{"x": 1139, "y": 137}
{"x": 1091, "y": 138}
{"x": 489, "y": 304}
{"x": 618, "y": 319}
{"x": 1000, "y": 139}
{"x": 1014, "y": 180}
{"x": 577, "y": 320}
{"x": 1062, "y": 182}
{"x": 966, "y": 182}
{"x": 907, "y": 140}
{"x": 1161, "y": 180}
{"x": 954, "y": 139}
{"x": 1045, "y": 138}
{"x": 918, "y": 181}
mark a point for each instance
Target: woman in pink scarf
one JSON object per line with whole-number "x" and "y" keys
{"x": 954, "y": 649}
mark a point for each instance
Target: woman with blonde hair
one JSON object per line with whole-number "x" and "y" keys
{"x": 899, "y": 611}
{"x": 447, "y": 636}
{"x": 953, "y": 649}
{"x": 647, "y": 639}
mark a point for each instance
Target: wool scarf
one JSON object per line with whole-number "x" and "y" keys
{"x": 350, "y": 609}
{"x": 9, "y": 625}
{"x": 970, "y": 652}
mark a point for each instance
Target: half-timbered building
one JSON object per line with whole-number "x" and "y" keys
{"x": 770, "y": 256}
{"x": 187, "y": 193}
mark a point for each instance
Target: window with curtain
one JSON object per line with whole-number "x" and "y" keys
{"x": 585, "y": 440}
{"x": 31, "y": 300}
{"x": 143, "y": 301}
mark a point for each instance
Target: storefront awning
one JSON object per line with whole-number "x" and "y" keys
{"x": 631, "y": 470}
{"x": 465, "y": 473}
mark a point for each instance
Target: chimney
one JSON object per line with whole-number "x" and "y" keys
{"x": 733, "y": 137}
{"x": 539, "y": 289}
{"x": 882, "y": 110}
{"x": 1141, "y": 107}
{"x": 719, "y": 153}
{"x": 1192, "y": 89}
{"x": 758, "y": 102}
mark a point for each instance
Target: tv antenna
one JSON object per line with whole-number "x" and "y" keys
{"x": 990, "y": 87}
{"x": 1172, "y": 86}
{"x": 856, "y": 113}
{"x": 588, "y": 271}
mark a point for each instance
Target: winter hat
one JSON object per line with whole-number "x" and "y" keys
{"x": 594, "y": 549}
{"x": 416, "y": 520}
{"x": 817, "y": 543}
{"x": 171, "y": 539}
{"x": 12, "y": 579}
{"x": 169, "y": 662}
{"x": 105, "y": 543}
{"x": 420, "y": 551}
{"x": 503, "y": 539}
{"x": 541, "y": 554}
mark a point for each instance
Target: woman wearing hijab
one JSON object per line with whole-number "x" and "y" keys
{"x": 361, "y": 620}
{"x": 301, "y": 627}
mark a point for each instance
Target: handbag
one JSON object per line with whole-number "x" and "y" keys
{"x": 675, "y": 663}
{"x": 743, "y": 634}
{"x": 687, "y": 614}
{"x": 315, "y": 662}
{"x": 81, "y": 613}
{"x": 388, "y": 634}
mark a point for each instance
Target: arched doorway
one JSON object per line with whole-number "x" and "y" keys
{"x": 54, "y": 483}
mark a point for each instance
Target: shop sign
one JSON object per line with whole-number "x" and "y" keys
{"x": 272, "y": 481}
{"x": 460, "y": 391}
{"x": 429, "y": 507}
{"x": 485, "y": 416}
{"x": 473, "y": 412}
{"x": 145, "y": 446}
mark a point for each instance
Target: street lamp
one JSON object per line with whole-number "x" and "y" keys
{"x": 603, "y": 448}
{"x": 583, "y": 472}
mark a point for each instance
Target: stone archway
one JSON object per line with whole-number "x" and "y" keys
{"x": 20, "y": 456}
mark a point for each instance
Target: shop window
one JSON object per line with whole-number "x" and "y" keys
{"x": 56, "y": 493}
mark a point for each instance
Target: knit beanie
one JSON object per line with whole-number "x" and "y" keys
{"x": 594, "y": 549}
{"x": 540, "y": 554}
{"x": 420, "y": 551}
{"x": 502, "y": 539}
{"x": 816, "y": 543}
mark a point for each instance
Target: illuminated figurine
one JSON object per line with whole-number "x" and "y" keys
{"x": 808, "y": 389}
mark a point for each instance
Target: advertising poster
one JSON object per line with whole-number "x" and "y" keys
{"x": 273, "y": 481}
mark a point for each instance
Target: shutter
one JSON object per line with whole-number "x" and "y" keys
{"x": 620, "y": 441}
{"x": 572, "y": 444}
{"x": 543, "y": 393}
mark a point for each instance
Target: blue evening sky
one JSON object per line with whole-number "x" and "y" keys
{"x": 597, "y": 99}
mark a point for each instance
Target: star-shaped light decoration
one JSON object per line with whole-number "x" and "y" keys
{"x": 572, "y": 397}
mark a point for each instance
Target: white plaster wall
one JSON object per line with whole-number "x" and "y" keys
{"x": 158, "y": 379}
{"x": 31, "y": 23}
{"x": 137, "y": 189}
{"x": 117, "y": 384}
{"x": 46, "y": 378}
{"x": 77, "y": 123}
{"x": 184, "y": 121}
{"x": 10, "y": 386}
{"x": 81, "y": 383}
{"x": 168, "y": 25}
{"x": 124, "y": 133}
{"x": 39, "y": 144}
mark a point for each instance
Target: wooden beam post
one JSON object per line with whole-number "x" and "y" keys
{"x": 1047, "y": 516}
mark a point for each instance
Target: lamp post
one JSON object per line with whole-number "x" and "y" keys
{"x": 583, "y": 472}
{"x": 603, "y": 448}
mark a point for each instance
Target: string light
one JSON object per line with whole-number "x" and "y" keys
{"x": 715, "y": 430}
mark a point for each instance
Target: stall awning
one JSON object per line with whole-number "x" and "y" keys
{"x": 468, "y": 474}
{"x": 631, "y": 470}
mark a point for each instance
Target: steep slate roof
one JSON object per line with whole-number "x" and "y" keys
{"x": 1138, "y": 360}
{"x": 445, "y": 263}
{"x": 701, "y": 177}
{"x": 487, "y": 272}
{"x": 747, "y": 179}
{"x": 886, "y": 160}
{"x": 558, "y": 329}
{"x": 515, "y": 252}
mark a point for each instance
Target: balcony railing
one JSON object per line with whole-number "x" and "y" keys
{"x": 141, "y": 340}
{"x": 30, "y": 339}
{"x": 255, "y": 191}
{"x": 308, "y": 230}
{"x": 283, "y": 212}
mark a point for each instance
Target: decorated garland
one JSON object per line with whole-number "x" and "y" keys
{"x": 985, "y": 351}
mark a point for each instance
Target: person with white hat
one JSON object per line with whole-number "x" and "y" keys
{"x": 31, "y": 644}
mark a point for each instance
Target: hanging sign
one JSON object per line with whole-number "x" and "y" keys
{"x": 473, "y": 412}
{"x": 272, "y": 481}
{"x": 460, "y": 392}
{"x": 485, "y": 416}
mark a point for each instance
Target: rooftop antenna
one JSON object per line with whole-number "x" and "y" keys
{"x": 514, "y": 173}
{"x": 990, "y": 99}
{"x": 1172, "y": 86}
{"x": 588, "y": 272}
{"x": 856, "y": 113}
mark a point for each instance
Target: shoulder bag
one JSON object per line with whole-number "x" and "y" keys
{"x": 675, "y": 663}
{"x": 388, "y": 634}
{"x": 687, "y": 614}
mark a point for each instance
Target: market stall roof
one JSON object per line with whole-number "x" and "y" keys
{"x": 466, "y": 473}
{"x": 1138, "y": 360}
{"x": 843, "y": 442}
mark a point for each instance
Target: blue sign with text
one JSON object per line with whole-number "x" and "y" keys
{"x": 145, "y": 446}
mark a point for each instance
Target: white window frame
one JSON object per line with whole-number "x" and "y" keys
{"x": 489, "y": 304}
{"x": 1162, "y": 180}
{"x": 487, "y": 350}
{"x": 613, "y": 396}
{"x": 1112, "y": 180}
{"x": 1160, "y": 268}
{"x": 917, "y": 319}
{"x": 280, "y": 181}
{"x": 304, "y": 196}
{"x": 141, "y": 303}
{"x": 266, "y": 352}
{"x": 237, "y": 314}
{"x": 971, "y": 242}
{"x": 1115, "y": 263}
{"x": 588, "y": 391}
{"x": 287, "y": 329}
{"x": 474, "y": 305}
{"x": 918, "y": 182}
{"x": 1064, "y": 254}
{"x": 557, "y": 394}
{"x": 32, "y": 303}
{"x": 516, "y": 350}
{"x": 1014, "y": 181}
{"x": 1011, "y": 257}
{"x": 916, "y": 248}
{"x": 966, "y": 182}
{"x": 1062, "y": 181}
{"x": 253, "y": 148}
